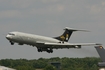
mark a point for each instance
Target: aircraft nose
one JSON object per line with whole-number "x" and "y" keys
{"x": 8, "y": 37}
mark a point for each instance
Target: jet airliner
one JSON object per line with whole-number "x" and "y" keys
{"x": 44, "y": 43}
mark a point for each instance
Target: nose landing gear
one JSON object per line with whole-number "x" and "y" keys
{"x": 12, "y": 43}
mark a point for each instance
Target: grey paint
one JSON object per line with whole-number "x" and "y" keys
{"x": 101, "y": 52}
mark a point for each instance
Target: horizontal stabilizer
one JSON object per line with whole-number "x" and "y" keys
{"x": 72, "y": 29}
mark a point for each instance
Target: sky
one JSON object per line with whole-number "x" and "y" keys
{"x": 49, "y": 18}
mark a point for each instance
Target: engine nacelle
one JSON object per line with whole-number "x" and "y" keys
{"x": 78, "y": 46}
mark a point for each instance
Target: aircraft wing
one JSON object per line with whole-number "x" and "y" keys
{"x": 85, "y": 44}
{"x": 69, "y": 45}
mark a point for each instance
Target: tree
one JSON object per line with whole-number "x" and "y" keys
{"x": 24, "y": 68}
{"x": 49, "y": 67}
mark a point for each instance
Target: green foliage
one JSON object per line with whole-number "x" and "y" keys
{"x": 49, "y": 67}
{"x": 24, "y": 68}
{"x": 42, "y": 63}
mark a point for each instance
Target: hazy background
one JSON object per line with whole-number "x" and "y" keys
{"x": 49, "y": 18}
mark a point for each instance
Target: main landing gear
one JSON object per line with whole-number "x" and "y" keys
{"x": 49, "y": 50}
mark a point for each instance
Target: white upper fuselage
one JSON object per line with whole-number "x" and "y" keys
{"x": 31, "y": 39}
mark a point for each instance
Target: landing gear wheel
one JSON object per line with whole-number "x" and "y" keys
{"x": 12, "y": 43}
{"x": 50, "y": 51}
{"x": 39, "y": 50}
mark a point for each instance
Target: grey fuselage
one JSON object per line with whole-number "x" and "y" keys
{"x": 31, "y": 39}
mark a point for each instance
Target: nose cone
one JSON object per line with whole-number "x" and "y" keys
{"x": 8, "y": 37}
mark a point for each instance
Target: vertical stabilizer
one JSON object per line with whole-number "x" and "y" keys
{"x": 101, "y": 52}
{"x": 67, "y": 34}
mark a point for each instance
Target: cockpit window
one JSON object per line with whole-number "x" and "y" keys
{"x": 11, "y": 34}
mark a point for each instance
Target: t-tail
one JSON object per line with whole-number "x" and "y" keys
{"x": 67, "y": 34}
{"x": 101, "y": 52}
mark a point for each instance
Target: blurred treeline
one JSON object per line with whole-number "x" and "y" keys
{"x": 88, "y": 63}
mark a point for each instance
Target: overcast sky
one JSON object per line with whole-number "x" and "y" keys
{"x": 49, "y": 18}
